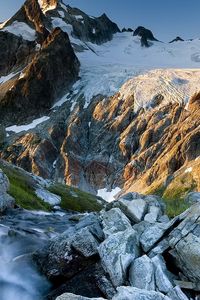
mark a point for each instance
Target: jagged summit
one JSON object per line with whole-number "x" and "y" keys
{"x": 177, "y": 39}
{"x": 145, "y": 34}
{"x": 36, "y": 18}
{"x": 46, "y": 5}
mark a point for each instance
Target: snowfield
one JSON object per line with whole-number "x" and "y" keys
{"x": 167, "y": 69}
{"x": 173, "y": 84}
{"x": 170, "y": 70}
{"x": 105, "y": 69}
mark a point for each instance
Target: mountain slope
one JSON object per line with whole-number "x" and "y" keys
{"x": 129, "y": 121}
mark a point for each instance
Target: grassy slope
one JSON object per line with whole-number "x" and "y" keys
{"x": 174, "y": 194}
{"x": 74, "y": 199}
{"x": 22, "y": 188}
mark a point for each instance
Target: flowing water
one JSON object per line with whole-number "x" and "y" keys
{"x": 21, "y": 233}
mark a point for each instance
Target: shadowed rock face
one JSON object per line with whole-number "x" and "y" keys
{"x": 142, "y": 31}
{"x": 54, "y": 68}
{"x": 96, "y": 30}
{"x": 177, "y": 39}
{"x": 145, "y": 34}
{"x": 14, "y": 52}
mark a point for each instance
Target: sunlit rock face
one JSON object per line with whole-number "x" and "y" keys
{"x": 48, "y": 4}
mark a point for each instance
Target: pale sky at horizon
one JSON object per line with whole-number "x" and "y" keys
{"x": 167, "y": 19}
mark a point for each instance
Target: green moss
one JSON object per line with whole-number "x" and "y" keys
{"x": 74, "y": 199}
{"x": 174, "y": 199}
{"x": 175, "y": 207}
{"x": 173, "y": 195}
{"x": 22, "y": 188}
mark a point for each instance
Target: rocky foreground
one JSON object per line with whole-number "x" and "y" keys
{"x": 130, "y": 250}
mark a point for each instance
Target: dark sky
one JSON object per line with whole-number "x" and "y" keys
{"x": 166, "y": 18}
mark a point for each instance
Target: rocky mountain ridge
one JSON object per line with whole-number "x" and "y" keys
{"x": 98, "y": 134}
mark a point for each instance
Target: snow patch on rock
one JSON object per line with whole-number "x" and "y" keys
{"x": 33, "y": 124}
{"x": 21, "y": 29}
{"x": 107, "y": 195}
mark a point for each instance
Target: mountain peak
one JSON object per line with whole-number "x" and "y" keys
{"x": 46, "y": 5}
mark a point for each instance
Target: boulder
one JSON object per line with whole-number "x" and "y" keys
{"x": 2, "y": 135}
{"x": 141, "y": 273}
{"x": 85, "y": 243}
{"x": 162, "y": 276}
{"x": 4, "y": 182}
{"x": 6, "y": 202}
{"x": 141, "y": 227}
{"x": 153, "y": 214}
{"x": 114, "y": 221}
{"x": 161, "y": 247}
{"x": 192, "y": 198}
{"x": 117, "y": 252}
{"x": 134, "y": 209}
{"x": 69, "y": 253}
{"x": 92, "y": 221}
{"x": 69, "y": 296}
{"x": 177, "y": 294}
{"x": 185, "y": 243}
{"x": 153, "y": 234}
{"x": 92, "y": 282}
{"x": 164, "y": 219}
{"x": 131, "y": 293}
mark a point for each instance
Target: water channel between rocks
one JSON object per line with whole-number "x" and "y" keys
{"x": 21, "y": 233}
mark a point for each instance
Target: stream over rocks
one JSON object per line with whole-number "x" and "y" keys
{"x": 21, "y": 233}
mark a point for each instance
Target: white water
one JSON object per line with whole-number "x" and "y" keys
{"x": 21, "y": 233}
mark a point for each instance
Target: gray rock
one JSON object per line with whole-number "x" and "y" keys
{"x": 72, "y": 251}
{"x": 6, "y": 201}
{"x": 141, "y": 273}
{"x": 154, "y": 200}
{"x": 4, "y": 182}
{"x": 160, "y": 248}
{"x": 187, "y": 253}
{"x": 188, "y": 285}
{"x": 153, "y": 214}
{"x": 92, "y": 221}
{"x": 192, "y": 198}
{"x": 132, "y": 196}
{"x": 164, "y": 219}
{"x": 177, "y": 294}
{"x": 85, "y": 243}
{"x": 2, "y": 135}
{"x": 131, "y": 293}
{"x": 185, "y": 242}
{"x": 154, "y": 233}
{"x": 141, "y": 227}
{"x": 117, "y": 252}
{"x": 114, "y": 221}
{"x": 69, "y": 296}
{"x": 135, "y": 209}
{"x": 163, "y": 282}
